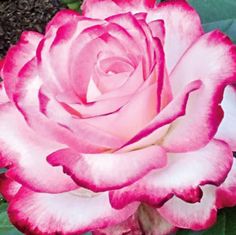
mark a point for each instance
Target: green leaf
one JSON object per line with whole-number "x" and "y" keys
{"x": 220, "y": 14}
{"x": 230, "y": 226}
{"x": 6, "y": 227}
{"x": 68, "y": 1}
{"x": 219, "y": 227}
{"x": 188, "y": 232}
{"x": 3, "y": 207}
{"x": 2, "y": 170}
{"x": 73, "y": 4}
{"x": 226, "y": 26}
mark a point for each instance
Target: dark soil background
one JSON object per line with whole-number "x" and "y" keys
{"x": 19, "y": 15}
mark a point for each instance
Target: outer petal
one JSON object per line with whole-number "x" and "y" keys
{"x": 196, "y": 216}
{"x": 100, "y": 9}
{"x": 17, "y": 57}
{"x": 65, "y": 213}
{"x": 182, "y": 26}
{"x": 134, "y": 3}
{"x": 62, "y": 17}
{"x": 104, "y": 8}
{"x": 181, "y": 177}
{"x": 226, "y": 130}
{"x": 100, "y": 172}
{"x": 25, "y": 153}
{"x": 203, "y": 113}
{"x": 216, "y": 66}
{"x": 8, "y": 187}
{"x": 152, "y": 223}
{"x": 226, "y": 193}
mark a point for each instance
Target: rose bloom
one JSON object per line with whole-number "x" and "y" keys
{"x": 119, "y": 120}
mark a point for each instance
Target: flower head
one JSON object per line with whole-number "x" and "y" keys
{"x": 113, "y": 121}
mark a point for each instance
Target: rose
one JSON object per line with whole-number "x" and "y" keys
{"x": 126, "y": 99}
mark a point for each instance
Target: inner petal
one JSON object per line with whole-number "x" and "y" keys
{"x": 111, "y": 71}
{"x": 93, "y": 92}
{"x": 115, "y": 64}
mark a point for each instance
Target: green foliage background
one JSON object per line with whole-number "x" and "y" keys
{"x": 215, "y": 14}
{"x": 219, "y": 14}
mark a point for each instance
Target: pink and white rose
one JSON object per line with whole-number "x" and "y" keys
{"x": 113, "y": 122}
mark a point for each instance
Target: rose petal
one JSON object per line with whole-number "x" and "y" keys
{"x": 25, "y": 153}
{"x": 197, "y": 216}
{"x": 27, "y": 100}
{"x": 216, "y": 67}
{"x": 157, "y": 28}
{"x": 133, "y": 3}
{"x": 68, "y": 117}
{"x": 179, "y": 18}
{"x": 129, "y": 226}
{"x": 226, "y": 131}
{"x": 55, "y": 52}
{"x": 125, "y": 127}
{"x": 3, "y": 96}
{"x": 62, "y": 17}
{"x": 101, "y": 172}
{"x": 175, "y": 109}
{"x": 203, "y": 112}
{"x": 188, "y": 171}
{"x": 86, "y": 57}
{"x": 129, "y": 23}
{"x": 226, "y": 193}
{"x": 65, "y": 213}
{"x": 112, "y": 101}
{"x": 102, "y": 9}
{"x": 25, "y": 49}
